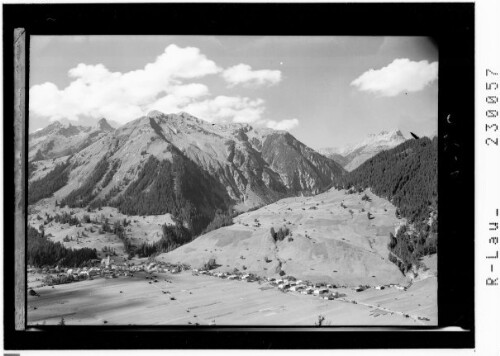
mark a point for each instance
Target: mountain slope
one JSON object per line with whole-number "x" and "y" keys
{"x": 407, "y": 176}
{"x": 326, "y": 242}
{"x": 339, "y": 236}
{"x": 183, "y": 165}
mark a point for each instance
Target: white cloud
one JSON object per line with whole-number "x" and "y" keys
{"x": 178, "y": 96}
{"x": 402, "y": 75}
{"x": 283, "y": 124}
{"x": 97, "y": 92}
{"x": 228, "y": 109}
{"x": 243, "y": 74}
{"x": 162, "y": 85}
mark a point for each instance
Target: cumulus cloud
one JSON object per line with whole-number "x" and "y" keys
{"x": 228, "y": 109}
{"x": 165, "y": 85}
{"x": 244, "y": 75}
{"x": 287, "y": 124}
{"x": 95, "y": 91}
{"x": 402, "y": 75}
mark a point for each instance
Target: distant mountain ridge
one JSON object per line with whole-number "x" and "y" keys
{"x": 351, "y": 157}
{"x": 58, "y": 140}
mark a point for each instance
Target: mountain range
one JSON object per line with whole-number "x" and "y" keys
{"x": 351, "y": 157}
{"x": 175, "y": 164}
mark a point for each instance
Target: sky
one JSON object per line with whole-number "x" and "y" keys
{"x": 326, "y": 91}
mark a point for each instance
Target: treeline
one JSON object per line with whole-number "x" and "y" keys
{"x": 179, "y": 188}
{"x": 65, "y": 218}
{"x": 410, "y": 247}
{"x": 173, "y": 236}
{"x": 220, "y": 219}
{"x": 49, "y": 184}
{"x": 406, "y": 175}
{"x": 82, "y": 196}
{"x": 119, "y": 230}
{"x": 110, "y": 174}
{"x": 43, "y": 252}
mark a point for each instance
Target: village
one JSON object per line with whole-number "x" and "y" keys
{"x": 291, "y": 284}
{"x": 175, "y": 293}
{"x": 107, "y": 268}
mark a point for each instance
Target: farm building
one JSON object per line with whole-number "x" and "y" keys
{"x": 321, "y": 291}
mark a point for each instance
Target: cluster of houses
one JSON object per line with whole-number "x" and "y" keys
{"x": 248, "y": 277}
{"x": 105, "y": 268}
{"x": 361, "y": 288}
{"x": 289, "y": 284}
{"x": 320, "y": 289}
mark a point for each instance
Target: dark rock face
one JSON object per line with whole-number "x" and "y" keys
{"x": 103, "y": 125}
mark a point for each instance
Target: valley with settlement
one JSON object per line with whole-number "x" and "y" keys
{"x": 170, "y": 219}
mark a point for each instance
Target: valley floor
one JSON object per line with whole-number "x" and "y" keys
{"x": 208, "y": 300}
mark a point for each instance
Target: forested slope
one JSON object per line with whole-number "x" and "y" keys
{"x": 407, "y": 176}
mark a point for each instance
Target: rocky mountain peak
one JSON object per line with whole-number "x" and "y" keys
{"x": 155, "y": 114}
{"x": 382, "y": 137}
{"x": 387, "y": 134}
{"x": 47, "y": 130}
{"x": 352, "y": 156}
{"x": 55, "y": 124}
{"x": 104, "y": 125}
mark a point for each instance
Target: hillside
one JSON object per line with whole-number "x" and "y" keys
{"x": 407, "y": 176}
{"x": 352, "y": 232}
{"x": 331, "y": 238}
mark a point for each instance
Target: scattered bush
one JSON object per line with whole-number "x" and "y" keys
{"x": 321, "y": 320}
{"x": 366, "y": 198}
{"x": 210, "y": 264}
{"x": 172, "y": 237}
{"x": 281, "y": 234}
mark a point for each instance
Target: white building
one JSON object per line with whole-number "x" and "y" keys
{"x": 320, "y": 291}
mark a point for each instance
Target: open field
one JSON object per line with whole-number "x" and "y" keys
{"x": 206, "y": 300}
